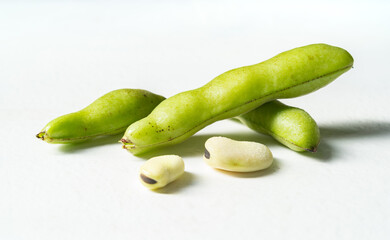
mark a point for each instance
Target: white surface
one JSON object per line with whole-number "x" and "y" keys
{"x": 57, "y": 57}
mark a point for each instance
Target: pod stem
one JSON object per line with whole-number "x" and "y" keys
{"x": 41, "y": 135}
{"x": 124, "y": 141}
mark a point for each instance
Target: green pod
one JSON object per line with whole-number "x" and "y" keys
{"x": 287, "y": 75}
{"x": 293, "y": 127}
{"x": 109, "y": 114}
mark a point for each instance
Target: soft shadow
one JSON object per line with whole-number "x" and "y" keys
{"x": 185, "y": 180}
{"x": 275, "y": 166}
{"x": 194, "y": 146}
{"x": 355, "y": 129}
{"x": 324, "y": 152}
{"x": 91, "y": 143}
{"x": 327, "y": 150}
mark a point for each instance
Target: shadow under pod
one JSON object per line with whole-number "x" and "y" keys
{"x": 348, "y": 130}
{"x": 355, "y": 129}
{"x": 91, "y": 143}
{"x": 194, "y": 146}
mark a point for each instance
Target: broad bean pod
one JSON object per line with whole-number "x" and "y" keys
{"x": 290, "y": 74}
{"x": 109, "y": 114}
{"x": 293, "y": 127}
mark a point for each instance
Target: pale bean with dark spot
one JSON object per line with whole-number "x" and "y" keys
{"x": 236, "y": 156}
{"x": 159, "y": 171}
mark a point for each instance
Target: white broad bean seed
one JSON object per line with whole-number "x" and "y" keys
{"x": 157, "y": 172}
{"x": 236, "y": 156}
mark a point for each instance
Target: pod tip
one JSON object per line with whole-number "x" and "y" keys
{"x": 41, "y": 135}
{"x": 313, "y": 150}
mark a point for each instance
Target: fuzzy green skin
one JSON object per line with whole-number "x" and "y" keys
{"x": 287, "y": 75}
{"x": 293, "y": 127}
{"x": 109, "y": 114}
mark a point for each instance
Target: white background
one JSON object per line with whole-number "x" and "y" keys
{"x": 56, "y": 57}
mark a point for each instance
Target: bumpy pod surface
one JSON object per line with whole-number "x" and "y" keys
{"x": 236, "y": 156}
{"x": 290, "y": 74}
{"x": 293, "y": 127}
{"x": 109, "y": 114}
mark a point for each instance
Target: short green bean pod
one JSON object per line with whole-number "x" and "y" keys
{"x": 293, "y": 127}
{"x": 109, "y": 114}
